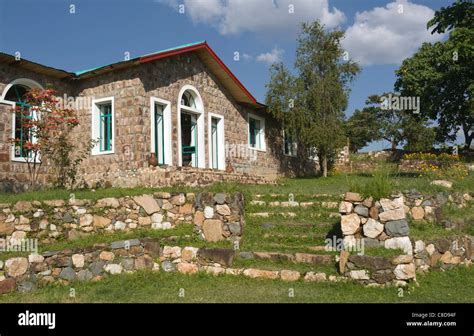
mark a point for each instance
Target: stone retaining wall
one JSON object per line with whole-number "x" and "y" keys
{"x": 170, "y": 176}
{"x": 443, "y": 253}
{"x": 215, "y": 216}
{"x": 384, "y": 222}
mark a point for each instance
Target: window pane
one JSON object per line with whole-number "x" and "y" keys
{"x": 159, "y": 134}
{"x": 105, "y": 127}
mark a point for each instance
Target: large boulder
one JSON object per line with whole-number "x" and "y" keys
{"x": 353, "y": 197}
{"x": 213, "y": 230}
{"x": 372, "y": 228}
{"x": 397, "y": 228}
{"x": 370, "y": 262}
{"x": 16, "y": 267}
{"x": 148, "y": 203}
{"x": 392, "y": 215}
{"x": 405, "y": 271}
{"x": 350, "y": 224}
{"x": 222, "y": 256}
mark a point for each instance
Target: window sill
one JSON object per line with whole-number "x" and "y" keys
{"x": 258, "y": 149}
{"x": 23, "y": 160}
{"x": 102, "y": 153}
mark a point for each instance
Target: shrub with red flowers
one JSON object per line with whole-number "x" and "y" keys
{"x": 49, "y": 138}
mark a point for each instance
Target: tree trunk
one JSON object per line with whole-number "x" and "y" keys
{"x": 324, "y": 165}
{"x": 467, "y": 137}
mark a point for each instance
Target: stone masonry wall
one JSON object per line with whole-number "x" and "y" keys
{"x": 215, "y": 216}
{"x": 132, "y": 89}
{"x": 10, "y": 169}
{"x": 442, "y": 253}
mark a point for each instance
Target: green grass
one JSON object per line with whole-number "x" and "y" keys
{"x": 453, "y": 286}
{"x": 332, "y": 185}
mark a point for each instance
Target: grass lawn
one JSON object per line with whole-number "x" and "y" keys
{"x": 453, "y": 286}
{"x": 332, "y": 185}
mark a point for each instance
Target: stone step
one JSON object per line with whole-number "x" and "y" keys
{"x": 298, "y": 257}
{"x": 294, "y": 204}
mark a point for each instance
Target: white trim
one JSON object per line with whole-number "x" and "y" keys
{"x": 220, "y": 140}
{"x": 30, "y": 84}
{"x": 167, "y": 128}
{"x": 95, "y": 125}
{"x": 199, "y": 112}
{"x": 263, "y": 139}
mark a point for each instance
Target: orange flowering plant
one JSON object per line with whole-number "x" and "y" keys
{"x": 46, "y": 128}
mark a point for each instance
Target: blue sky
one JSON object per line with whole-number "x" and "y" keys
{"x": 379, "y": 33}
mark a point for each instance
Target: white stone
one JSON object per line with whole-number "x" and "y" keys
{"x": 132, "y": 225}
{"x": 78, "y": 260}
{"x": 157, "y": 226}
{"x": 166, "y": 225}
{"x": 405, "y": 271}
{"x": 113, "y": 268}
{"x": 430, "y": 249}
{"x": 16, "y": 266}
{"x": 359, "y": 275}
{"x": 350, "y": 224}
{"x": 119, "y": 225}
{"x": 388, "y": 205}
{"x": 156, "y": 218}
{"x": 402, "y": 243}
{"x": 419, "y": 246}
{"x": 35, "y": 258}
{"x": 392, "y": 215}
{"x": 442, "y": 183}
{"x": 81, "y": 211}
{"x": 52, "y": 227}
{"x": 86, "y": 220}
{"x": 372, "y": 228}
{"x": 208, "y": 212}
{"x": 345, "y": 207}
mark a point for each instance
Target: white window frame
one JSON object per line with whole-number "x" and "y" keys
{"x": 95, "y": 125}
{"x": 199, "y": 112}
{"x": 294, "y": 147}
{"x": 262, "y": 132}
{"x": 167, "y": 128}
{"x": 30, "y": 84}
{"x": 220, "y": 141}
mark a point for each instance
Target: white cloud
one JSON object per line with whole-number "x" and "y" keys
{"x": 387, "y": 35}
{"x": 275, "y": 17}
{"x": 271, "y": 57}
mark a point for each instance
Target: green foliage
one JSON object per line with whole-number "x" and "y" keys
{"x": 397, "y": 126}
{"x": 311, "y": 103}
{"x": 441, "y": 74}
{"x": 381, "y": 184}
{"x": 362, "y": 128}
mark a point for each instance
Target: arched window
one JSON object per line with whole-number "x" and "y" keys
{"x": 188, "y": 99}
{"x": 14, "y": 95}
{"x": 191, "y": 128}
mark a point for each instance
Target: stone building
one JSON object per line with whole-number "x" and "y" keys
{"x": 175, "y": 116}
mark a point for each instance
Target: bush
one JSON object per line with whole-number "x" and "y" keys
{"x": 381, "y": 184}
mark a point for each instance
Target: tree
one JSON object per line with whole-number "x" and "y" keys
{"x": 397, "y": 126}
{"x": 49, "y": 137}
{"x": 311, "y": 103}
{"x": 441, "y": 74}
{"x": 362, "y": 128}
